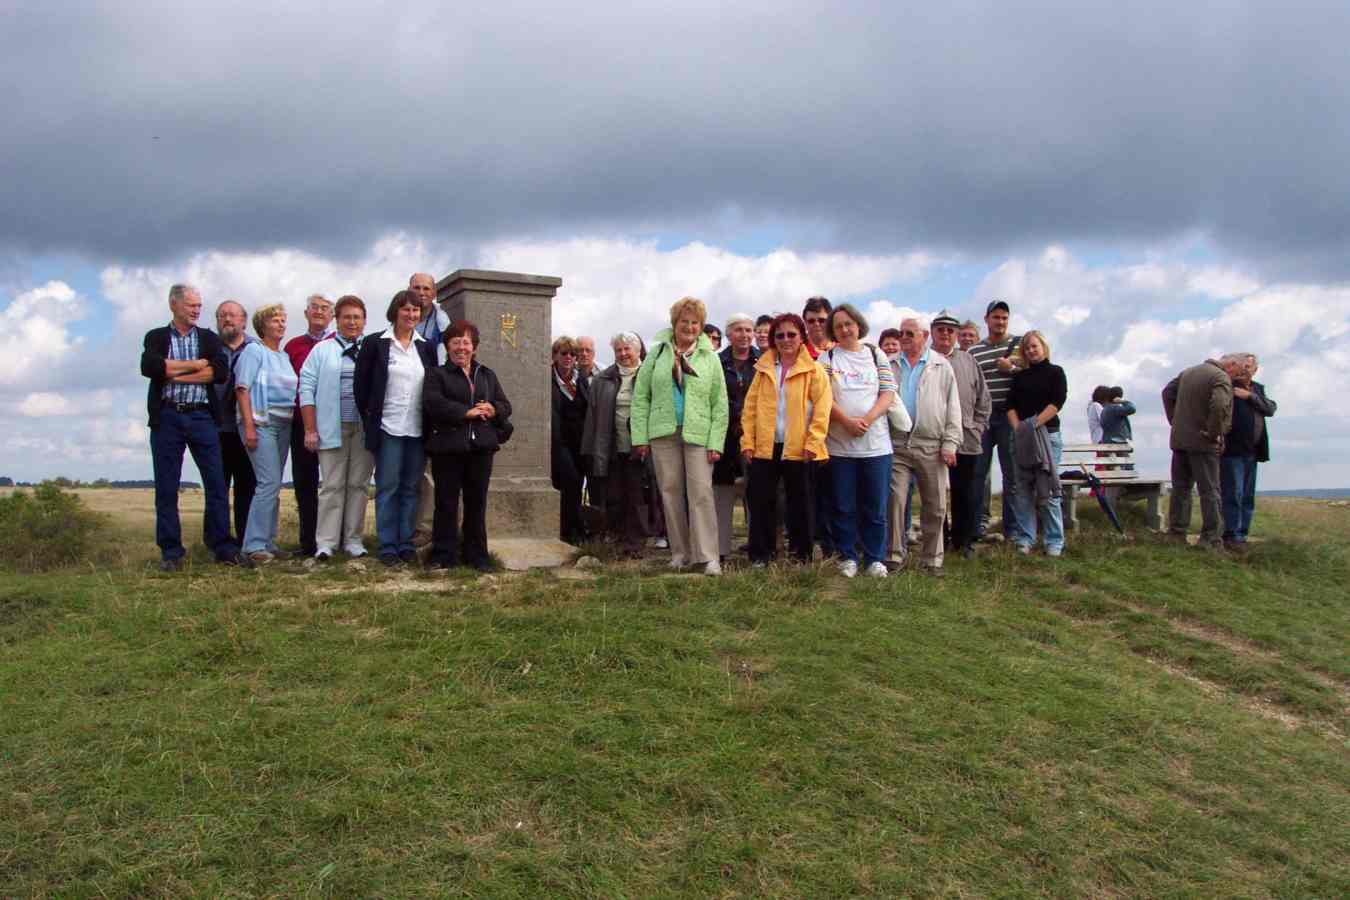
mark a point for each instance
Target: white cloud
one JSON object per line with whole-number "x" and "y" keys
{"x": 33, "y": 334}
{"x": 609, "y": 284}
{"x": 1134, "y": 324}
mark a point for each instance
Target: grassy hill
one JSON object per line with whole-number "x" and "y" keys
{"x": 1136, "y": 719}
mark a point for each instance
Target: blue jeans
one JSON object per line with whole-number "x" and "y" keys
{"x": 1237, "y": 486}
{"x": 269, "y": 461}
{"x": 1048, "y": 514}
{"x": 398, "y": 475}
{"x": 862, "y": 487}
{"x": 196, "y": 433}
{"x": 999, "y": 434}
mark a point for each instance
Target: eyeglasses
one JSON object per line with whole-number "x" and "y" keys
{"x": 786, "y": 336}
{"x": 817, "y": 320}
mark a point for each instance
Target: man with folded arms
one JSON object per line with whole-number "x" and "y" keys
{"x": 182, "y": 361}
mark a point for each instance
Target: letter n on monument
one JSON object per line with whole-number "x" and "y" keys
{"x": 514, "y": 315}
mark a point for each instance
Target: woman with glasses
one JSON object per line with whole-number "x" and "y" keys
{"x": 333, "y": 430}
{"x": 784, "y": 423}
{"x": 571, "y": 399}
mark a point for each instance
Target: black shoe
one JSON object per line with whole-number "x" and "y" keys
{"x": 170, "y": 565}
{"x": 230, "y": 559}
{"x": 483, "y": 565}
{"x": 439, "y": 565}
{"x": 967, "y": 552}
{"x": 390, "y": 560}
{"x": 408, "y": 556}
{"x": 322, "y": 556}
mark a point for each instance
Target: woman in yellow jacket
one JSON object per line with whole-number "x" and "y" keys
{"x": 786, "y": 416}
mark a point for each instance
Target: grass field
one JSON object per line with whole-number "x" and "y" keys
{"x": 1136, "y": 719}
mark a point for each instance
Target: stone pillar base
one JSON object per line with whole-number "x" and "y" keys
{"x": 522, "y": 507}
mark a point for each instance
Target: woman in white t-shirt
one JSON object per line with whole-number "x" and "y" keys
{"x": 859, "y": 441}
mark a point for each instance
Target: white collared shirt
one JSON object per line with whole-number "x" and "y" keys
{"x": 402, "y": 416}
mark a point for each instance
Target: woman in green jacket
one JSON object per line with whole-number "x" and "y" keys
{"x": 679, "y": 414}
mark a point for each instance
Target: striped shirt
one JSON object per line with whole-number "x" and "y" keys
{"x": 183, "y": 347}
{"x": 998, "y": 381}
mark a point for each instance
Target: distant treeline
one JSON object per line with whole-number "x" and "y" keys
{"x": 63, "y": 482}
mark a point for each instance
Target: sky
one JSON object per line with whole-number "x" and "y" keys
{"x": 1147, "y": 183}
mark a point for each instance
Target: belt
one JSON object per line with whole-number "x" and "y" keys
{"x": 185, "y": 407}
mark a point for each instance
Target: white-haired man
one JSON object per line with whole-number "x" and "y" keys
{"x": 738, "y": 368}
{"x": 1246, "y": 444}
{"x": 182, "y": 362}
{"x": 925, "y": 453}
{"x": 305, "y": 462}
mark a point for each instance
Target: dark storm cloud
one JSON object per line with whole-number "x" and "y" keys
{"x": 139, "y": 132}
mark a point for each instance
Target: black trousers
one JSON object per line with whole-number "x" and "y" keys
{"x": 238, "y": 470}
{"x": 967, "y": 496}
{"x": 625, "y": 501}
{"x": 762, "y": 491}
{"x": 456, "y": 474}
{"x": 568, "y": 480}
{"x": 305, "y": 477}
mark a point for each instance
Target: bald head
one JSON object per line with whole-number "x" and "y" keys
{"x": 423, "y": 287}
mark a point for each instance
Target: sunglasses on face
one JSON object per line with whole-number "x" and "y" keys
{"x": 567, "y": 353}
{"x": 786, "y": 336}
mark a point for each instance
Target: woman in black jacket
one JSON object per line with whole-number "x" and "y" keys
{"x": 467, "y": 419}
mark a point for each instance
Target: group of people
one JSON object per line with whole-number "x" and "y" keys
{"x": 410, "y": 404}
{"x": 823, "y": 435}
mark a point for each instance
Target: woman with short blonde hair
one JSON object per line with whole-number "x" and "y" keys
{"x": 265, "y": 389}
{"x": 679, "y": 415}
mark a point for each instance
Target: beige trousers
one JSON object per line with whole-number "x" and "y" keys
{"x": 344, "y": 473}
{"x": 930, "y": 472}
{"x": 684, "y": 476}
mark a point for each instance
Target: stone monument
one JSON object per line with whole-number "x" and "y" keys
{"x": 514, "y": 315}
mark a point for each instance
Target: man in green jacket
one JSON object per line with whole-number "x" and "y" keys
{"x": 1199, "y": 407}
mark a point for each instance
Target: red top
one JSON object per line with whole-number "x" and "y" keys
{"x": 297, "y": 348}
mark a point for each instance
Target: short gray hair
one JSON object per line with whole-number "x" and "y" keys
{"x": 736, "y": 318}
{"x": 312, "y": 297}
{"x": 179, "y": 291}
{"x": 627, "y": 338}
{"x": 1234, "y": 359}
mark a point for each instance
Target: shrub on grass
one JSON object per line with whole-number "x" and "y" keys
{"x": 45, "y": 529}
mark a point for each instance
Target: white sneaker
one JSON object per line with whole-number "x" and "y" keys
{"x": 713, "y": 568}
{"x": 848, "y": 568}
{"x": 1053, "y": 551}
{"x": 876, "y": 570}
{"x": 662, "y": 544}
{"x": 355, "y": 551}
{"x": 676, "y": 565}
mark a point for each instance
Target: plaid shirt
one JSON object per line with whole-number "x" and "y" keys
{"x": 183, "y": 347}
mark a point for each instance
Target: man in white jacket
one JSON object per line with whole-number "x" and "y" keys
{"x": 928, "y": 390}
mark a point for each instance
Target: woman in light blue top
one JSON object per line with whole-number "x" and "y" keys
{"x": 333, "y": 430}
{"x": 265, "y": 386}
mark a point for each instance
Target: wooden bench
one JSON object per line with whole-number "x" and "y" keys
{"x": 1113, "y": 464}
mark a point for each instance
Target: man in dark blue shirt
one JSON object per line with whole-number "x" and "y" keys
{"x": 182, "y": 361}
